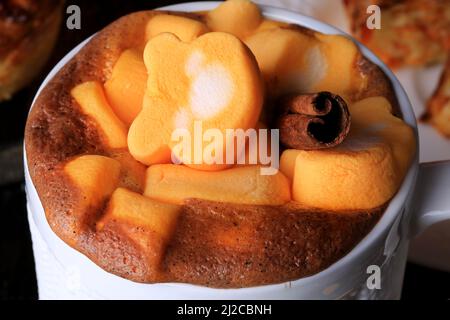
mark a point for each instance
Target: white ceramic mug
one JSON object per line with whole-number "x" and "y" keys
{"x": 64, "y": 273}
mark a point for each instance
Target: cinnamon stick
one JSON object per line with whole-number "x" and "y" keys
{"x": 313, "y": 121}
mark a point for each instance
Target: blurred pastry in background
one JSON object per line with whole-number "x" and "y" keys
{"x": 28, "y": 32}
{"x": 413, "y": 32}
{"x": 438, "y": 107}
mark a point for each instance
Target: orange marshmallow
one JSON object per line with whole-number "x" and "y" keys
{"x": 270, "y": 24}
{"x": 251, "y": 152}
{"x": 95, "y": 176}
{"x": 136, "y": 210}
{"x": 184, "y": 28}
{"x": 126, "y": 86}
{"x": 287, "y": 162}
{"x": 148, "y": 223}
{"x": 345, "y": 179}
{"x": 213, "y": 80}
{"x": 341, "y": 54}
{"x": 290, "y": 61}
{"x": 364, "y": 172}
{"x": 293, "y": 61}
{"x": 175, "y": 183}
{"x": 238, "y": 17}
{"x": 149, "y": 134}
{"x": 374, "y": 115}
{"x": 132, "y": 174}
{"x": 91, "y": 98}
{"x": 249, "y": 155}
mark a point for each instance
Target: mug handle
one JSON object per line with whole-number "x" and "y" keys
{"x": 431, "y": 199}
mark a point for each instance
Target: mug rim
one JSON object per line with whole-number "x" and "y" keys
{"x": 396, "y": 203}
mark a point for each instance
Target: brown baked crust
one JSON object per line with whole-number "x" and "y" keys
{"x": 413, "y": 32}
{"x": 272, "y": 243}
{"x": 28, "y": 31}
{"x": 438, "y": 107}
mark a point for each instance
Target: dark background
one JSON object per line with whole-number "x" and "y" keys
{"x": 17, "y": 277}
